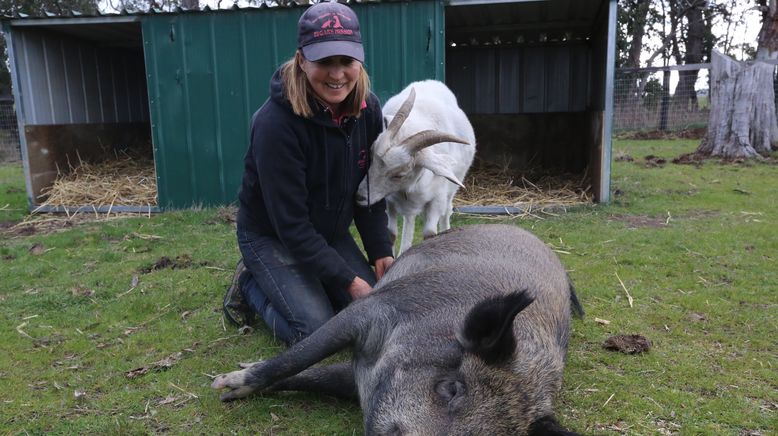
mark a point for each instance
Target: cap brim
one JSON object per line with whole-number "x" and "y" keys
{"x": 325, "y": 49}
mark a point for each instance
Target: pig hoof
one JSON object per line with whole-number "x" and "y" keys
{"x": 236, "y": 393}
{"x": 236, "y": 383}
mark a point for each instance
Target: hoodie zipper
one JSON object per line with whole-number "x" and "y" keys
{"x": 346, "y": 177}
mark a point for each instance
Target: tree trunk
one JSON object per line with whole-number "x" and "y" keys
{"x": 742, "y": 120}
{"x": 638, "y": 31}
{"x": 634, "y": 82}
{"x": 768, "y": 34}
{"x": 685, "y": 95}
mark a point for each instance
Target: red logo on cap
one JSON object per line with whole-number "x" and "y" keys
{"x": 335, "y": 19}
{"x": 331, "y": 25}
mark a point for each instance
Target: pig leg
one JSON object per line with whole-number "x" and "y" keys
{"x": 333, "y": 336}
{"x": 336, "y": 380}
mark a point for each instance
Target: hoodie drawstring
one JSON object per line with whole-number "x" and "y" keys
{"x": 369, "y": 159}
{"x": 326, "y": 171}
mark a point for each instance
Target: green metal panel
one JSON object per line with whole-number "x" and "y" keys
{"x": 209, "y": 71}
{"x": 404, "y": 42}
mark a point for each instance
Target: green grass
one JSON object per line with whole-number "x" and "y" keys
{"x": 695, "y": 248}
{"x": 13, "y": 197}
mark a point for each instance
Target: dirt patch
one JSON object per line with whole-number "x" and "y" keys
{"x": 224, "y": 215}
{"x": 180, "y": 262}
{"x": 627, "y": 344}
{"x": 697, "y": 159}
{"x": 697, "y": 317}
{"x": 52, "y": 222}
{"x": 37, "y": 249}
{"x": 13, "y": 190}
{"x": 654, "y": 161}
{"x": 159, "y": 365}
{"x": 625, "y": 158}
{"x": 48, "y": 341}
{"x": 640, "y": 221}
{"x": 34, "y": 227}
{"x": 5, "y": 225}
{"x": 82, "y": 291}
{"x": 696, "y": 133}
{"x": 689, "y": 159}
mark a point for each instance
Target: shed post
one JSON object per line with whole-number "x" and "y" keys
{"x": 607, "y": 125}
{"x": 19, "y": 109}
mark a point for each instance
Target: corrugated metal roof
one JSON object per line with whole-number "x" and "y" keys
{"x": 263, "y": 4}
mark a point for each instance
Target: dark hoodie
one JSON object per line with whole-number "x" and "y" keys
{"x": 300, "y": 177}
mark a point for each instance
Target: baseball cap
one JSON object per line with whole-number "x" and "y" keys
{"x": 329, "y": 29}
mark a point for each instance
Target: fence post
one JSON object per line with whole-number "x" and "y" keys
{"x": 665, "y": 100}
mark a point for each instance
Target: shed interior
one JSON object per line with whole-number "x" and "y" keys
{"x": 84, "y": 100}
{"x": 531, "y": 77}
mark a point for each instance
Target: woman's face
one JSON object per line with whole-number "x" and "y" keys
{"x": 332, "y": 78}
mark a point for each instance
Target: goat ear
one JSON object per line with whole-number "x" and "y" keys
{"x": 547, "y": 426}
{"x": 440, "y": 165}
{"x": 488, "y": 328}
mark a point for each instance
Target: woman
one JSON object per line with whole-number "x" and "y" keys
{"x": 310, "y": 146}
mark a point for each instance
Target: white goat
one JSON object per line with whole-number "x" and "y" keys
{"x": 421, "y": 158}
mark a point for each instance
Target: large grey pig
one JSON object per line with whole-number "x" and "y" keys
{"x": 466, "y": 334}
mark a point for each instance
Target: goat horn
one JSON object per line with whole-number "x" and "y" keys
{"x": 402, "y": 114}
{"x": 425, "y": 138}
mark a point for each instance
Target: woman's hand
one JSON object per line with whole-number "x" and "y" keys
{"x": 359, "y": 288}
{"x": 381, "y": 265}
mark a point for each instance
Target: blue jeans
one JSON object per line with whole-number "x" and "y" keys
{"x": 292, "y": 301}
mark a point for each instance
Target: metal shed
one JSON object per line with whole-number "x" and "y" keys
{"x": 186, "y": 83}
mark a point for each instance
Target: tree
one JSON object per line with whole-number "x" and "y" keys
{"x": 694, "y": 41}
{"x": 40, "y": 7}
{"x": 768, "y": 35}
{"x": 742, "y": 121}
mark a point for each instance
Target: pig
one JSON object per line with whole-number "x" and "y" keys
{"x": 466, "y": 334}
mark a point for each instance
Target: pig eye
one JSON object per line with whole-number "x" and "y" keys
{"x": 449, "y": 390}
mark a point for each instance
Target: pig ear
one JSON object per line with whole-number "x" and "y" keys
{"x": 488, "y": 328}
{"x": 547, "y": 426}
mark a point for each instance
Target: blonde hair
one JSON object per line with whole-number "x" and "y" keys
{"x": 299, "y": 93}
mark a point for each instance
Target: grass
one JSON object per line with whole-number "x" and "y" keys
{"x": 694, "y": 247}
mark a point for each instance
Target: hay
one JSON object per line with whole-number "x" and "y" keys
{"x": 125, "y": 181}
{"x": 488, "y": 185}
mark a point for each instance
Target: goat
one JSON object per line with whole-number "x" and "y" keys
{"x": 420, "y": 160}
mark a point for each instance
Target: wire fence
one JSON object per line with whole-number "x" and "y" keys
{"x": 666, "y": 99}
{"x": 10, "y": 148}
